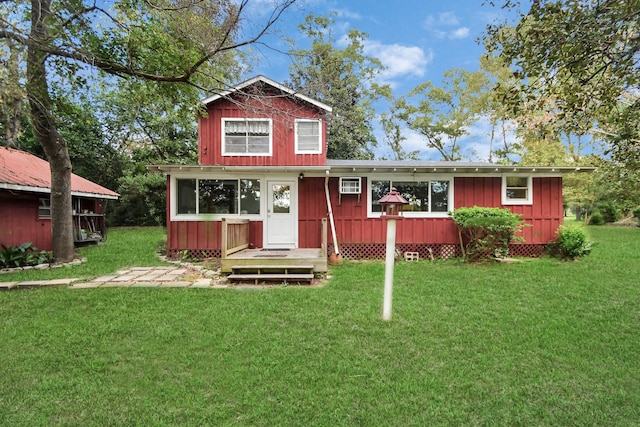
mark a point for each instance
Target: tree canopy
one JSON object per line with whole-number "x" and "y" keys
{"x": 342, "y": 78}
{"x": 183, "y": 46}
{"x": 584, "y": 55}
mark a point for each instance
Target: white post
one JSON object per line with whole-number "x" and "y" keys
{"x": 388, "y": 269}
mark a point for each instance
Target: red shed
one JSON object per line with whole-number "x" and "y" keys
{"x": 262, "y": 151}
{"x": 25, "y": 208}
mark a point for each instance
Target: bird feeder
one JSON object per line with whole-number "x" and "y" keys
{"x": 392, "y": 203}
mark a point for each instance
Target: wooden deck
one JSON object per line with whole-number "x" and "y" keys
{"x": 282, "y": 258}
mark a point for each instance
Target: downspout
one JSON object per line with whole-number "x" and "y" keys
{"x": 335, "y": 257}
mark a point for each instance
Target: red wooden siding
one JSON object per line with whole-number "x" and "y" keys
{"x": 283, "y": 138}
{"x": 19, "y": 222}
{"x": 544, "y": 215}
{"x": 354, "y": 228}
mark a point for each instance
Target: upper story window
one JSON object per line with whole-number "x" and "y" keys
{"x": 426, "y": 198}
{"x": 516, "y": 190}
{"x": 246, "y": 137}
{"x": 44, "y": 208}
{"x": 308, "y": 137}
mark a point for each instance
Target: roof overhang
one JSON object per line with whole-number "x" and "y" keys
{"x": 194, "y": 169}
{"x": 345, "y": 167}
{"x": 458, "y": 170}
{"x": 46, "y": 190}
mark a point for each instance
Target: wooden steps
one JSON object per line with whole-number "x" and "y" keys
{"x": 272, "y": 273}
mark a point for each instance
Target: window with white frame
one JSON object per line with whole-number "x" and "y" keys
{"x": 424, "y": 197}
{"x": 516, "y": 190}
{"x": 44, "y": 208}
{"x": 308, "y": 136}
{"x": 246, "y": 137}
{"x": 196, "y": 196}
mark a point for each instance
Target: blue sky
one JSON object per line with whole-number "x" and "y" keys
{"x": 417, "y": 40}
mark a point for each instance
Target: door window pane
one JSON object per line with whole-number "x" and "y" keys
{"x": 281, "y": 195}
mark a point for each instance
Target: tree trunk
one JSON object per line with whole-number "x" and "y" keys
{"x": 45, "y": 131}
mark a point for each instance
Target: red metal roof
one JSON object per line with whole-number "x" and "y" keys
{"x": 23, "y": 171}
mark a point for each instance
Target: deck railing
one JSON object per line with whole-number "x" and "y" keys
{"x": 235, "y": 235}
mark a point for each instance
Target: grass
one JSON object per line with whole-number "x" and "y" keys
{"x": 124, "y": 247}
{"x": 542, "y": 342}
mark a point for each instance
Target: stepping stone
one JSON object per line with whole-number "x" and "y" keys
{"x": 5, "y": 286}
{"x": 104, "y": 278}
{"x": 32, "y": 284}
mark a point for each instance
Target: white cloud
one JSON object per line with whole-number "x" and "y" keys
{"x": 460, "y": 33}
{"x": 448, "y": 18}
{"x": 440, "y": 26}
{"x": 346, "y": 13}
{"x": 399, "y": 60}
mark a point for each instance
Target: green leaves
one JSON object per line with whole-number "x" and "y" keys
{"x": 443, "y": 114}
{"x": 578, "y": 59}
{"x": 571, "y": 242}
{"x": 342, "y": 78}
{"x": 486, "y": 231}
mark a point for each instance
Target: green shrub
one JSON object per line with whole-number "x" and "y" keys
{"x": 21, "y": 255}
{"x": 636, "y": 213}
{"x": 487, "y": 231}
{"x": 609, "y": 211}
{"x": 571, "y": 242}
{"x": 596, "y": 218}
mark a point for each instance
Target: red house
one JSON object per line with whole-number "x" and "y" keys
{"x": 262, "y": 160}
{"x": 25, "y": 207}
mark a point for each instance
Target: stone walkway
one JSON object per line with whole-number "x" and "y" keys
{"x": 166, "y": 277}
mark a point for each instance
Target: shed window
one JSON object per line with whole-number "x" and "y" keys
{"x": 308, "y": 138}
{"x": 44, "y": 208}
{"x": 424, "y": 197}
{"x": 218, "y": 196}
{"x": 516, "y": 190}
{"x": 246, "y": 137}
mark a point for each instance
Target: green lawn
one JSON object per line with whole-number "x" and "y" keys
{"x": 542, "y": 342}
{"x": 124, "y": 247}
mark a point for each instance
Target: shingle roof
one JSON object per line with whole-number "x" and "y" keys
{"x": 23, "y": 171}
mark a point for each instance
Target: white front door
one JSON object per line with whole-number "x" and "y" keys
{"x": 282, "y": 217}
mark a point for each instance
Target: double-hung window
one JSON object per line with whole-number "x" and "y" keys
{"x": 44, "y": 208}
{"x": 516, "y": 190}
{"x": 246, "y": 137}
{"x": 196, "y": 196}
{"x": 426, "y": 198}
{"x": 308, "y": 137}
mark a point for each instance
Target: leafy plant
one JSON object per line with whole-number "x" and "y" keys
{"x": 21, "y": 255}
{"x": 596, "y": 219}
{"x": 609, "y": 211}
{"x": 571, "y": 242}
{"x": 486, "y": 231}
